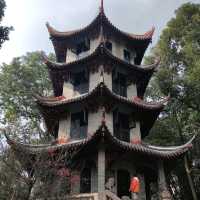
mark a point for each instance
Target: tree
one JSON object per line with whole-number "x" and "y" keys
{"x": 20, "y": 80}
{"x": 179, "y": 48}
{"x": 4, "y": 30}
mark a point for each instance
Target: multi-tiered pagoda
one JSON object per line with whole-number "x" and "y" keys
{"x": 98, "y": 116}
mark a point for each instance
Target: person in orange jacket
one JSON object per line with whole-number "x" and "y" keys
{"x": 135, "y": 187}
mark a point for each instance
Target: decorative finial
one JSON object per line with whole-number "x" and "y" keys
{"x": 102, "y": 6}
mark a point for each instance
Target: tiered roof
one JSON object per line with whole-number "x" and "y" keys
{"x": 64, "y": 40}
{"x": 140, "y": 74}
{"x": 90, "y": 146}
{"x": 53, "y": 108}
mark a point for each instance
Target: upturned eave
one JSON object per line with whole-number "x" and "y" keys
{"x": 110, "y": 142}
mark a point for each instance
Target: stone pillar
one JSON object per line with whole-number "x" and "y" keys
{"x": 135, "y": 134}
{"x": 164, "y": 193}
{"x": 64, "y": 128}
{"x": 142, "y": 193}
{"x": 101, "y": 169}
{"x": 131, "y": 91}
{"x": 68, "y": 90}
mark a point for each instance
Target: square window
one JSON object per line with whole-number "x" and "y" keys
{"x": 127, "y": 55}
{"x": 83, "y": 46}
{"x": 108, "y": 46}
{"x": 79, "y": 123}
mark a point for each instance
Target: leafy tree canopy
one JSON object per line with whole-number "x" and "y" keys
{"x": 178, "y": 75}
{"x": 4, "y": 30}
{"x": 21, "y": 79}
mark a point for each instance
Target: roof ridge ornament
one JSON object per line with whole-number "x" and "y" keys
{"x": 102, "y": 6}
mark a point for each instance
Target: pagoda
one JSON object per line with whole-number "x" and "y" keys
{"x": 99, "y": 118}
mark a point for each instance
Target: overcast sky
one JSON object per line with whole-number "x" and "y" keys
{"x": 28, "y": 17}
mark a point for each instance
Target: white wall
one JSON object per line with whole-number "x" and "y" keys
{"x": 135, "y": 134}
{"x": 94, "y": 79}
{"x": 94, "y": 121}
{"x": 64, "y": 128}
{"x": 68, "y": 90}
{"x": 131, "y": 91}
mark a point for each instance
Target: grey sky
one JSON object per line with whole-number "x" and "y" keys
{"x": 28, "y": 17}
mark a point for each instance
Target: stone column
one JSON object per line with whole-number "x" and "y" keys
{"x": 164, "y": 193}
{"x": 101, "y": 169}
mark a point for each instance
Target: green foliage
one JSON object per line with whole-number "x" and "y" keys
{"x": 20, "y": 80}
{"x": 4, "y": 30}
{"x": 178, "y": 75}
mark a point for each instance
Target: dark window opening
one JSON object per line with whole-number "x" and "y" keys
{"x": 85, "y": 182}
{"x": 121, "y": 126}
{"x": 108, "y": 46}
{"x": 79, "y": 124}
{"x": 127, "y": 55}
{"x": 123, "y": 183}
{"x": 81, "y": 82}
{"x": 119, "y": 84}
{"x": 83, "y": 46}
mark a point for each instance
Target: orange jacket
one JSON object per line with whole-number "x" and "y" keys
{"x": 135, "y": 185}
